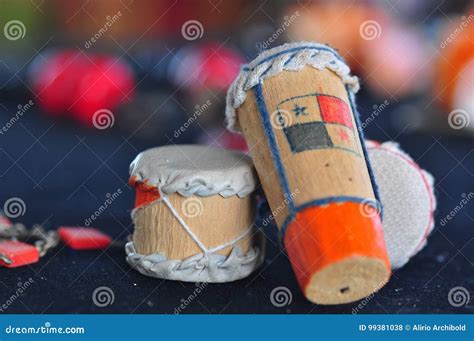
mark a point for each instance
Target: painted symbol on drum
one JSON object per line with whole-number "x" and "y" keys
{"x": 320, "y": 122}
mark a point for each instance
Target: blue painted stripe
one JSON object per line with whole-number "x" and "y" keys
{"x": 290, "y": 59}
{"x": 265, "y": 72}
{"x": 364, "y": 148}
{"x": 325, "y": 201}
{"x": 304, "y": 47}
{"x": 271, "y": 139}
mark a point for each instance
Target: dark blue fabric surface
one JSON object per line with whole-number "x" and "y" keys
{"x": 63, "y": 173}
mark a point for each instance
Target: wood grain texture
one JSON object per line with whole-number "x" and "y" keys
{"x": 215, "y": 220}
{"x": 338, "y": 253}
{"x": 312, "y": 174}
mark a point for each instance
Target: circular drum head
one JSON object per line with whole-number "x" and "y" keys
{"x": 406, "y": 192}
{"x": 195, "y": 170}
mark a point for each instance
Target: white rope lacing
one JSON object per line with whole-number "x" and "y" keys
{"x": 163, "y": 198}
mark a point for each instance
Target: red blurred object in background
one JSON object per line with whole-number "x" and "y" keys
{"x": 224, "y": 138}
{"x": 54, "y": 77}
{"x": 83, "y": 238}
{"x": 204, "y": 71}
{"x": 72, "y": 82}
{"x": 206, "y": 66}
{"x": 106, "y": 83}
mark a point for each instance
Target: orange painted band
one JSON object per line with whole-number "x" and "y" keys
{"x": 322, "y": 235}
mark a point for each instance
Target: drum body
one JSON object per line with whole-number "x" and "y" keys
{"x": 194, "y": 215}
{"x": 295, "y": 106}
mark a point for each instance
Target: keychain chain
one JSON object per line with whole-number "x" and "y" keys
{"x": 20, "y": 246}
{"x": 44, "y": 240}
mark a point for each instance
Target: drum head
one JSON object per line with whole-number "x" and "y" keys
{"x": 406, "y": 192}
{"x": 195, "y": 170}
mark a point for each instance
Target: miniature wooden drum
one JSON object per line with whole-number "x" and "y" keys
{"x": 194, "y": 215}
{"x": 295, "y": 107}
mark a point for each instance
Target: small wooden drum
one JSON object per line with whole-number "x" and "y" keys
{"x": 194, "y": 214}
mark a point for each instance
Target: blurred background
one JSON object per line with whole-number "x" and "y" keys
{"x": 86, "y": 85}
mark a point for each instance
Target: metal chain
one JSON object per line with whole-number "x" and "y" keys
{"x": 44, "y": 240}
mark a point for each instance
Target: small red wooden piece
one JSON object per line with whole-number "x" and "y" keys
{"x": 83, "y": 238}
{"x": 18, "y": 253}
